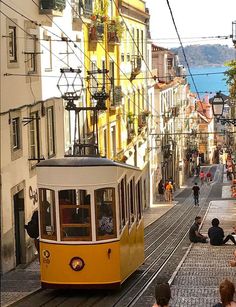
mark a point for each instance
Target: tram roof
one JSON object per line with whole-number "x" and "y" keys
{"x": 82, "y": 162}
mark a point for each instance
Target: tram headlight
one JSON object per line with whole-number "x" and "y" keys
{"x": 77, "y": 263}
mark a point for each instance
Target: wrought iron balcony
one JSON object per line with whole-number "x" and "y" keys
{"x": 96, "y": 32}
{"x": 88, "y": 7}
{"x": 142, "y": 120}
{"x": 130, "y": 131}
{"x": 82, "y": 8}
{"x": 136, "y": 64}
{"x": 116, "y": 96}
{"x": 114, "y": 32}
{"x": 52, "y": 7}
{"x": 175, "y": 111}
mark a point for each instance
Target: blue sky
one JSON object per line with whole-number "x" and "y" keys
{"x": 194, "y": 18}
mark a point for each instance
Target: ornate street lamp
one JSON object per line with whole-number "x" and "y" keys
{"x": 234, "y": 33}
{"x": 218, "y": 105}
{"x": 70, "y": 85}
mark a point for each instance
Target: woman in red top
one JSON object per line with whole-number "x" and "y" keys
{"x": 202, "y": 177}
{"x": 208, "y": 175}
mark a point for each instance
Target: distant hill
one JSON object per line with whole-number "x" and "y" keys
{"x": 203, "y": 55}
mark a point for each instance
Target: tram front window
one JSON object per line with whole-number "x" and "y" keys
{"x": 47, "y": 214}
{"x": 105, "y": 213}
{"x": 75, "y": 215}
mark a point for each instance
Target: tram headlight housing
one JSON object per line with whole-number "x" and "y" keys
{"x": 77, "y": 263}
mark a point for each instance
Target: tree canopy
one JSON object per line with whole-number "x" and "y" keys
{"x": 231, "y": 77}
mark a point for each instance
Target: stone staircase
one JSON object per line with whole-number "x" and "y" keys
{"x": 196, "y": 283}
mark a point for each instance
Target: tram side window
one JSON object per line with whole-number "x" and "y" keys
{"x": 105, "y": 213}
{"x": 47, "y": 214}
{"x": 75, "y": 214}
{"x": 131, "y": 201}
{"x": 122, "y": 203}
{"x": 139, "y": 199}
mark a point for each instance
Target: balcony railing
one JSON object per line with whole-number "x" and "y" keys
{"x": 114, "y": 32}
{"x": 52, "y": 7}
{"x": 116, "y": 96}
{"x": 82, "y": 9}
{"x": 142, "y": 120}
{"x": 136, "y": 64}
{"x": 88, "y": 7}
{"x": 96, "y": 32}
{"x": 130, "y": 132}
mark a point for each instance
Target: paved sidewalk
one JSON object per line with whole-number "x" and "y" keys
{"x": 19, "y": 283}
{"x": 197, "y": 279}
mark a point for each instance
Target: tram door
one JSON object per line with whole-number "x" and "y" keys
{"x": 19, "y": 221}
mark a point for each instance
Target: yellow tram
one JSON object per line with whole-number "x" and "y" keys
{"x": 91, "y": 222}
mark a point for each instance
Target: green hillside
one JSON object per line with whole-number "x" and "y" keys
{"x": 203, "y": 55}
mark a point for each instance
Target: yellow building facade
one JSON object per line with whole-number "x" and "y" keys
{"x": 116, "y": 35}
{"x": 116, "y": 46}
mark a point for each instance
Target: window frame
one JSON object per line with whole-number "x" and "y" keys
{"x": 48, "y": 52}
{"x": 33, "y": 132}
{"x": 42, "y": 220}
{"x": 16, "y": 134}
{"x": 106, "y": 236}
{"x": 31, "y": 56}
{"x": 12, "y": 56}
{"x": 113, "y": 140}
{"x": 122, "y": 203}
{"x": 139, "y": 200}
{"x": 75, "y": 225}
{"x": 132, "y": 202}
{"x": 50, "y": 132}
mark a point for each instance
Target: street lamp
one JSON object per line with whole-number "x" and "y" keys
{"x": 218, "y": 105}
{"x": 234, "y": 33}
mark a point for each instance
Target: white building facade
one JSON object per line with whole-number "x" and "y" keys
{"x": 34, "y": 46}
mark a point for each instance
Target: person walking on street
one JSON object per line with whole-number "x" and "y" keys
{"x": 216, "y": 234}
{"x": 32, "y": 229}
{"x": 194, "y": 235}
{"x": 169, "y": 191}
{"x": 208, "y": 177}
{"x": 202, "y": 177}
{"x": 166, "y": 192}
{"x": 161, "y": 190}
{"x": 196, "y": 192}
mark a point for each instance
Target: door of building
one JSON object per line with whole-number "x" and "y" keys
{"x": 19, "y": 222}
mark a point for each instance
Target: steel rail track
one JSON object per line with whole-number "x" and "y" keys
{"x": 178, "y": 239}
{"x": 54, "y": 298}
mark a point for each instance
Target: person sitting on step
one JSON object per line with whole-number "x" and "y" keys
{"x": 162, "y": 295}
{"x": 227, "y": 291}
{"x": 216, "y": 234}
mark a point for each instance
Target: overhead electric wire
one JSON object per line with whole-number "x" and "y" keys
{"x": 57, "y": 36}
{"x": 182, "y": 47}
{"x": 69, "y": 41}
{"x": 49, "y": 31}
{"x": 106, "y": 52}
{"x": 123, "y": 40}
{"x": 184, "y": 54}
{"x": 137, "y": 78}
{"x": 133, "y": 40}
{"x": 32, "y": 37}
{"x": 194, "y": 37}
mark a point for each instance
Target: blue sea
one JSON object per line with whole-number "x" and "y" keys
{"x": 210, "y": 79}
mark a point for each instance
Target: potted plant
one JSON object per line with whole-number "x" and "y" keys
{"x": 115, "y": 30}
{"x": 130, "y": 117}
